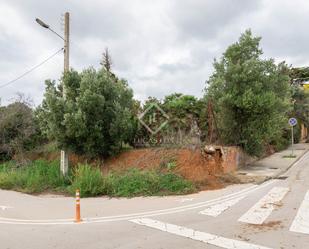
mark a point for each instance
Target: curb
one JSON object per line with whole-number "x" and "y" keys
{"x": 282, "y": 172}
{"x": 292, "y": 164}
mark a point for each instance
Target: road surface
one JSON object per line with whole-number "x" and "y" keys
{"x": 274, "y": 214}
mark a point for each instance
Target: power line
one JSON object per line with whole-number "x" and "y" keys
{"x": 32, "y": 69}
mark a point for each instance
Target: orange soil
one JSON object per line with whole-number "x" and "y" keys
{"x": 191, "y": 164}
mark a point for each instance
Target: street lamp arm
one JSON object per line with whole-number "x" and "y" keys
{"x": 46, "y": 26}
{"x": 56, "y": 33}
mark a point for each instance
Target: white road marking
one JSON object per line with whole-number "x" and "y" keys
{"x": 207, "y": 238}
{"x": 130, "y": 216}
{"x": 263, "y": 208}
{"x": 301, "y": 221}
{"x": 3, "y": 208}
{"x": 185, "y": 200}
{"x": 217, "y": 209}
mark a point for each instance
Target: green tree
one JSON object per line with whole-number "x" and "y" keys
{"x": 251, "y": 96}
{"x": 299, "y": 74}
{"x": 96, "y": 116}
{"x": 182, "y": 110}
{"x": 301, "y": 104}
{"x": 18, "y": 130}
{"x": 106, "y": 61}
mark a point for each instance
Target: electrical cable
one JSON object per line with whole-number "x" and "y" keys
{"x": 32, "y": 69}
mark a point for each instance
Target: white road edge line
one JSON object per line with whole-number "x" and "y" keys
{"x": 138, "y": 215}
{"x": 301, "y": 221}
{"x": 207, "y": 238}
{"x": 264, "y": 207}
{"x": 181, "y": 208}
{"x": 217, "y": 209}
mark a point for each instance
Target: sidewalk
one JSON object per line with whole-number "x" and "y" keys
{"x": 272, "y": 166}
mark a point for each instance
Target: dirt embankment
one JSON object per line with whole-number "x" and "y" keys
{"x": 204, "y": 170}
{"x": 191, "y": 164}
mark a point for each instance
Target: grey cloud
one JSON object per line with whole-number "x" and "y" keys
{"x": 197, "y": 19}
{"x": 160, "y": 47}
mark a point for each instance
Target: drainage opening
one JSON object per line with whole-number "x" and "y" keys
{"x": 242, "y": 173}
{"x": 281, "y": 177}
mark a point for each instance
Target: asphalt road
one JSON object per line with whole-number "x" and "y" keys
{"x": 274, "y": 214}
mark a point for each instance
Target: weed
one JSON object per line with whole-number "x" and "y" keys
{"x": 88, "y": 180}
{"x": 40, "y": 176}
{"x": 35, "y": 177}
{"x": 136, "y": 182}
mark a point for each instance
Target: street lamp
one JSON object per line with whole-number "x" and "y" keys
{"x": 43, "y": 24}
{"x": 64, "y": 163}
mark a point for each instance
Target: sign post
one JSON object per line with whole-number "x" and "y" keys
{"x": 292, "y": 123}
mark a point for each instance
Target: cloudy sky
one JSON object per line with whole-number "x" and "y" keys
{"x": 160, "y": 47}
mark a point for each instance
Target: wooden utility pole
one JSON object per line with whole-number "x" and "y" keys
{"x": 64, "y": 154}
{"x": 66, "y": 41}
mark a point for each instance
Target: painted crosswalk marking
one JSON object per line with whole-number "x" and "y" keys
{"x": 217, "y": 209}
{"x": 3, "y": 208}
{"x": 301, "y": 221}
{"x": 207, "y": 238}
{"x": 264, "y": 207}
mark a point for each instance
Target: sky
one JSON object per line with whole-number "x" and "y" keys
{"x": 160, "y": 47}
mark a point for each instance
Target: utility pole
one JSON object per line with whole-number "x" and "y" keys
{"x": 64, "y": 164}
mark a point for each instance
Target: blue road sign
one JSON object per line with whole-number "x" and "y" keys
{"x": 292, "y": 121}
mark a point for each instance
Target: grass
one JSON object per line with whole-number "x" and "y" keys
{"x": 88, "y": 180}
{"x": 289, "y": 156}
{"x": 40, "y": 176}
{"x": 135, "y": 182}
{"x": 36, "y": 177}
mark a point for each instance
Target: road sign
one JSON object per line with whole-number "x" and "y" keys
{"x": 292, "y": 122}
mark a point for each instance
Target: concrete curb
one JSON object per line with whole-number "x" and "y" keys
{"x": 292, "y": 164}
{"x": 283, "y": 171}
